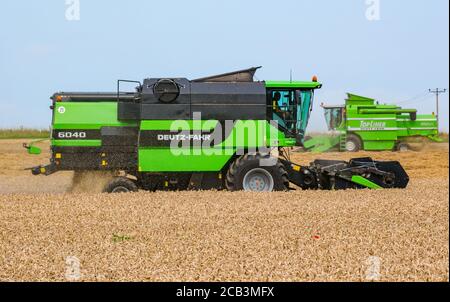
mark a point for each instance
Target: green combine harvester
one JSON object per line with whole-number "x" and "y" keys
{"x": 363, "y": 124}
{"x": 220, "y": 132}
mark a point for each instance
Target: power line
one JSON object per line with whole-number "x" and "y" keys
{"x": 422, "y": 99}
{"x": 437, "y": 92}
{"x": 419, "y": 96}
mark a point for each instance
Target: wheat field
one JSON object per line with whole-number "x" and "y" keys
{"x": 49, "y": 234}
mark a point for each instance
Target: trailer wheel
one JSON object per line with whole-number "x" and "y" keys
{"x": 247, "y": 174}
{"x": 120, "y": 185}
{"x": 353, "y": 143}
{"x": 403, "y": 147}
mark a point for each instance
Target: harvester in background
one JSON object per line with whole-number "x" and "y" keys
{"x": 364, "y": 124}
{"x": 220, "y": 132}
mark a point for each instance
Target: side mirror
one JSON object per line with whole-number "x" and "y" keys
{"x": 413, "y": 116}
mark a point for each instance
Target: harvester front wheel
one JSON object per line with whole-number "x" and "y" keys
{"x": 403, "y": 147}
{"x": 120, "y": 185}
{"x": 247, "y": 174}
{"x": 353, "y": 143}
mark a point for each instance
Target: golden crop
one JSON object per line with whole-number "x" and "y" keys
{"x": 47, "y": 233}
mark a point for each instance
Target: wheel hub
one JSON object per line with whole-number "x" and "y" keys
{"x": 403, "y": 148}
{"x": 350, "y": 146}
{"x": 258, "y": 180}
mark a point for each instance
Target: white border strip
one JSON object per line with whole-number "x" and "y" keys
{"x": 388, "y": 129}
{"x": 370, "y": 118}
{"x": 418, "y": 120}
{"x": 388, "y": 119}
{"x": 376, "y": 129}
{"x": 429, "y": 128}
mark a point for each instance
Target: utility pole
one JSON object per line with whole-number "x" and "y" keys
{"x": 437, "y": 92}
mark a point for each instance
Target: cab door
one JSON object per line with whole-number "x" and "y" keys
{"x": 283, "y": 109}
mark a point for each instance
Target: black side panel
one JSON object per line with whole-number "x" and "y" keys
{"x": 78, "y": 161}
{"x": 96, "y": 161}
{"x": 107, "y": 149}
{"x": 95, "y": 158}
{"x": 119, "y": 136}
{"x": 228, "y": 93}
{"x": 219, "y": 100}
{"x": 128, "y": 110}
{"x": 118, "y": 151}
{"x": 181, "y": 181}
{"x": 229, "y": 101}
{"x": 153, "y": 109}
{"x": 211, "y": 181}
{"x": 165, "y": 111}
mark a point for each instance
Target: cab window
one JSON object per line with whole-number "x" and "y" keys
{"x": 283, "y": 108}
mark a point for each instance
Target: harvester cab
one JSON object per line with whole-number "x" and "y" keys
{"x": 334, "y": 116}
{"x": 291, "y": 109}
{"x": 218, "y": 132}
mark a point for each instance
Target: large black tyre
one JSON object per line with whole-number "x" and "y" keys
{"x": 120, "y": 185}
{"x": 353, "y": 143}
{"x": 247, "y": 174}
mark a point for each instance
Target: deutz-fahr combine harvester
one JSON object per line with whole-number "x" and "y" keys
{"x": 219, "y": 132}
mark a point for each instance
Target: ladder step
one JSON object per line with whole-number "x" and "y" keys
{"x": 342, "y": 142}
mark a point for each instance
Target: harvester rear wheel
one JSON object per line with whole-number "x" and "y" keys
{"x": 247, "y": 174}
{"x": 120, "y": 185}
{"x": 353, "y": 143}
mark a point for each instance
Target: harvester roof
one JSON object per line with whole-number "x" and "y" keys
{"x": 293, "y": 84}
{"x": 247, "y": 75}
{"x": 353, "y": 99}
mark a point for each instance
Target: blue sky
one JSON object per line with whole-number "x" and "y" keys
{"x": 395, "y": 59}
